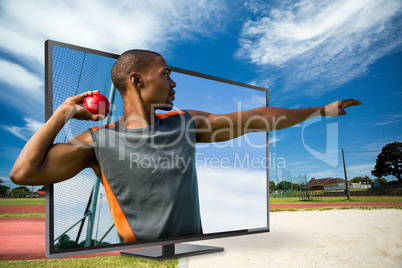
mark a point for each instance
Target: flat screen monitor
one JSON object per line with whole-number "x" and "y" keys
{"x": 232, "y": 175}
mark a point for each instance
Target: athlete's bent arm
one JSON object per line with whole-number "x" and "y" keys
{"x": 222, "y": 127}
{"x": 41, "y": 162}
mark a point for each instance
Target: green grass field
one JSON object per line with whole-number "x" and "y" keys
{"x": 22, "y": 201}
{"x": 293, "y": 200}
{"x": 23, "y": 215}
{"x": 334, "y": 208}
{"x": 341, "y": 191}
{"x": 110, "y": 261}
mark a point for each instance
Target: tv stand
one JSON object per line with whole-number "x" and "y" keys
{"x": 171, "y": 251}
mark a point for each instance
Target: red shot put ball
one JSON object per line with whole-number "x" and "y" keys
{"x": 97, "y": 104}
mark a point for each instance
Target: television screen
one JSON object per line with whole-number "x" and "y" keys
{"x": 232, "y": 175}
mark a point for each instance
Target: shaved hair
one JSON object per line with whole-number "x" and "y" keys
{"x": 135, "y": 60}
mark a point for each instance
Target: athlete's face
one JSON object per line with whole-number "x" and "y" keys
{"x": 158, "y": 86}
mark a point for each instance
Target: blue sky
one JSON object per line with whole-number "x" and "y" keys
{"x": 308, "y": 53}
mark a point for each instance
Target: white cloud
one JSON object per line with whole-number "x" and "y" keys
{"x": 324, "y": 174}
{"x": 9, "y": 152}
{"x": 21, "y": 79}
{"x": 32, "y": 125}
{"x": 26, "y": 131}
{"x": 103, "y": 25}
{"x": 22, "y": 90}
{"x": 362, "y": 169}
{"x": 326, "y": 43}
{"x": 253, "y": 101}
{"x": 232, "y": 199}
{"x": 274, "y": 139}
{"x": 338, "y": 172}
{"x": 16, "y": 131}
{"x": 372, "y": 149}
{"x": 9, "y": 183}
{"x": 6, "y": 180}
{"x": 385, "y": 120}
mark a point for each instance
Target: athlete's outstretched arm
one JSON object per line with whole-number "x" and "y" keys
{"x": 42, "y": 162}
{"x": 221, "y": 127}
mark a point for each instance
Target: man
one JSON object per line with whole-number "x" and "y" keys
{"x": 150, "y": 196}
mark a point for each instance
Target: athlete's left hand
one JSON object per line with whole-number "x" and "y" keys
{"x": 338, "y": 107}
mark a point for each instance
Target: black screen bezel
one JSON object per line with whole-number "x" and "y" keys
{"x": 50, "y": 251}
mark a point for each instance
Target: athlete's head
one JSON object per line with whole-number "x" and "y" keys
{"x": 135, "y": 60}
{"x": 148, "y": 73}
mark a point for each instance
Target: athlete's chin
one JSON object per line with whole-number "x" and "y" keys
{"x": 165, "y": 107}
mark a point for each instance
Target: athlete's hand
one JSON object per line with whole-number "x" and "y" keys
{"x": 77, "y": 111}
{"x": 338, "y": 107}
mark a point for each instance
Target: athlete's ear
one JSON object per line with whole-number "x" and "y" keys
{"x": 136, "y": 79}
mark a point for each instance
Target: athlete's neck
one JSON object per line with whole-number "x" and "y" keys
{"x": 137, "y": 113}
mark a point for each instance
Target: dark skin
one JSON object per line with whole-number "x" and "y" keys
{"x": 41, "y": 162}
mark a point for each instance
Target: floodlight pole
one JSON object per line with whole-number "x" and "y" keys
{"x": 291, "y": 182}
{"x": 91, "y": 220}
{"x": 99, "y": 212}
{"x": 346, "y": 176}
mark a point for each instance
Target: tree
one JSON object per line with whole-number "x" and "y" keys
{"x": 20, "y": 190}
{"x": 284, "y": 185}
{"x": 296, "y": 187}
{"x": 43, "y": 188}
{"x": 381, "y": 180}
{"x": 389, "y": 161}
{"x": 3, "y": 190}
{"x": 272, "y": 185}
{"x": 364, "y": 179}
{"x": 65, "y": 242}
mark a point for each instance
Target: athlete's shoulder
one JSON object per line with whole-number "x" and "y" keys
{"x": 82, "y": 140}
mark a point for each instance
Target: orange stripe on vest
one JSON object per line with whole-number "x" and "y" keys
{"x": 169, "y": 114}
{"x": 120, "y": 220}
{"x": 112, "y": 125}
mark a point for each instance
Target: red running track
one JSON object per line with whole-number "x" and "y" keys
{"x": 24, "y": 238}
{"x": 22, "y": 209}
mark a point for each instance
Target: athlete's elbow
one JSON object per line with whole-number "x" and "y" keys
{"x": 16, "y": 177}
{"x": 20, "y": 177}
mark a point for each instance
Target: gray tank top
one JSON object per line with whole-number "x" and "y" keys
{"x": 150, "y": 178}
